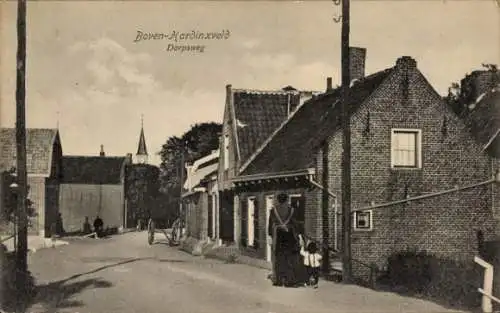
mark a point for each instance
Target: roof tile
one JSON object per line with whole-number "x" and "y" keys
{"x": 39, "y": 147}
{"x": 291, "y": 147}
{"x": 92, "y": 169}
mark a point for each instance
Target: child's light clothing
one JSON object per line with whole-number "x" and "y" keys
{"x": 311, "y": 259}
{"x": 312, "y": 262}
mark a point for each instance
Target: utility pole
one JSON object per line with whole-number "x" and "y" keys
{"x": 346, "y": 156}
{"x": 22, "y": 243}
{"x": 181, "y": 212}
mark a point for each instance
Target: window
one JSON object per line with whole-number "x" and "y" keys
{"x": 363, "y": 220}
{"x": 406, "y": 148}
{"x": 226, "y": 152}
{"x": 251, "y": 221}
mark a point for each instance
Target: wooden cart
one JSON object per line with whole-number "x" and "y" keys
{"x": 173, "y": 234}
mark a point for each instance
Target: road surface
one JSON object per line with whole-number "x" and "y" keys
{"x": 123, "y": 274}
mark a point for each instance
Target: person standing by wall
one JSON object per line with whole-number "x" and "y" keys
{"x": 98, "y": 226}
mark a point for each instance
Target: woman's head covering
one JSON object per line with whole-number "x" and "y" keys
{"x": 282, "y": 198}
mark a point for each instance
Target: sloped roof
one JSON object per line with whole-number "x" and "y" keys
{"x": 484, "y": 120}
{"x": 258, "y": 113}
{"x": 92, "y": 170}
{"x": 39, "y": 147}
{"x": 141, "y": 149}
{"x": 201, "y": 169}
{"x": 291, "y": 147}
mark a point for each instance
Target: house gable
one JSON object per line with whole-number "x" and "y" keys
{"x": 39, "y": 149}
{"x": 450, "y": 157}
{"x": 250, "y": 117}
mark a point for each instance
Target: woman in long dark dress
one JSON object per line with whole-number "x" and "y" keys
{"x": 285, "y": 259}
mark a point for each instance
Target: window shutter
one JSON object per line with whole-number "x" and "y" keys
{"x": 244, "y": 230}
{"x": 256, "y": 224}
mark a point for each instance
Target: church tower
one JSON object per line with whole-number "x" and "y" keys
{"x": 142, "y": 152}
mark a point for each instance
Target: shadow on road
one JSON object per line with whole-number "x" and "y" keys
{"x": 57, "y": 295}
{"x": 54, "y": 296}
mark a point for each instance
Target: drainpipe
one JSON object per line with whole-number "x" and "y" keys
{"x": 335, "y": 206}
{"x": 496, "y": 179}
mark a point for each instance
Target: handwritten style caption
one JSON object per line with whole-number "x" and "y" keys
{"x": 176, "y": 36}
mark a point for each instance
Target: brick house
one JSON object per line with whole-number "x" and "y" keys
{"x": 250, "y": 117}
{"x": 44, "y": 168}
{"x": 200, "y": 197}
{"x": 91, "y": 186}
{"x": 406, "y": 142}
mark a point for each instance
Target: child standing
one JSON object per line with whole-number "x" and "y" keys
{"x": 312, "y": 262}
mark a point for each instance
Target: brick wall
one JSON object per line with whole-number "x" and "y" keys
{"x": 197, "y": 216}
{"x": 444, "y": 225}
{"x": 495, "y": 190}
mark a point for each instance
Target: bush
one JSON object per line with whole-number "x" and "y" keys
{"x": 447, "y": 280}
{"x": 12, "y": 298}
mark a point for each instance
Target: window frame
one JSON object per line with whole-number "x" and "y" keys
{"x": 418, "y": 148}
{"x": 370, "y": 220}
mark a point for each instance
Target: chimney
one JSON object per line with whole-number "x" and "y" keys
{"x": 102, "y": 151}
{"x": 357, "y": 58}
{"x": 328, "y": 84}
{"x": 406, "y": 62}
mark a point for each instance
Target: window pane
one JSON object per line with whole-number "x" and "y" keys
{"x": 363, "y": 220}
{"x": 405, "y": 148}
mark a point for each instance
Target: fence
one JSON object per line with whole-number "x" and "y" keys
{"x": 487, "y": 290}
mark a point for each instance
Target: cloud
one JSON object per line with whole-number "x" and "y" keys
{"x": 116, "y": 86}
{"x": 251, "y": 43}
{"x": 283, "y": 69}
{"x": 110, "y": 65}
{"x": 271, "y": 62}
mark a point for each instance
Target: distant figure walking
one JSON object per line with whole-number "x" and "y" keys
{"x": 98, "y": 226}
{"x": 59, "y": 225}
{"x": 86, "y": 226}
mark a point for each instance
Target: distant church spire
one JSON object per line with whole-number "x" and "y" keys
{"x": 102, "y": 151}
{"x": 142, "y": 152}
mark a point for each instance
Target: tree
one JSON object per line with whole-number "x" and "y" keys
{"x": 9, "y": 211}
{"x": 460, "y": 96}
{"x": 197, "y": 142}
{"x": 142, "y": 190}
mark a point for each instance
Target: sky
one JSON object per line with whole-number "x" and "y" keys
{"x": 88, "y": 76}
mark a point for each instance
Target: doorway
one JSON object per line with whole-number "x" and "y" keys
{"x": 269, "y": 208}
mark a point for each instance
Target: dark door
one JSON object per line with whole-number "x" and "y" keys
{"x": 210, "y": 217}
{"x": 298, "y": 203}
{"x": 226, "y": 216}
